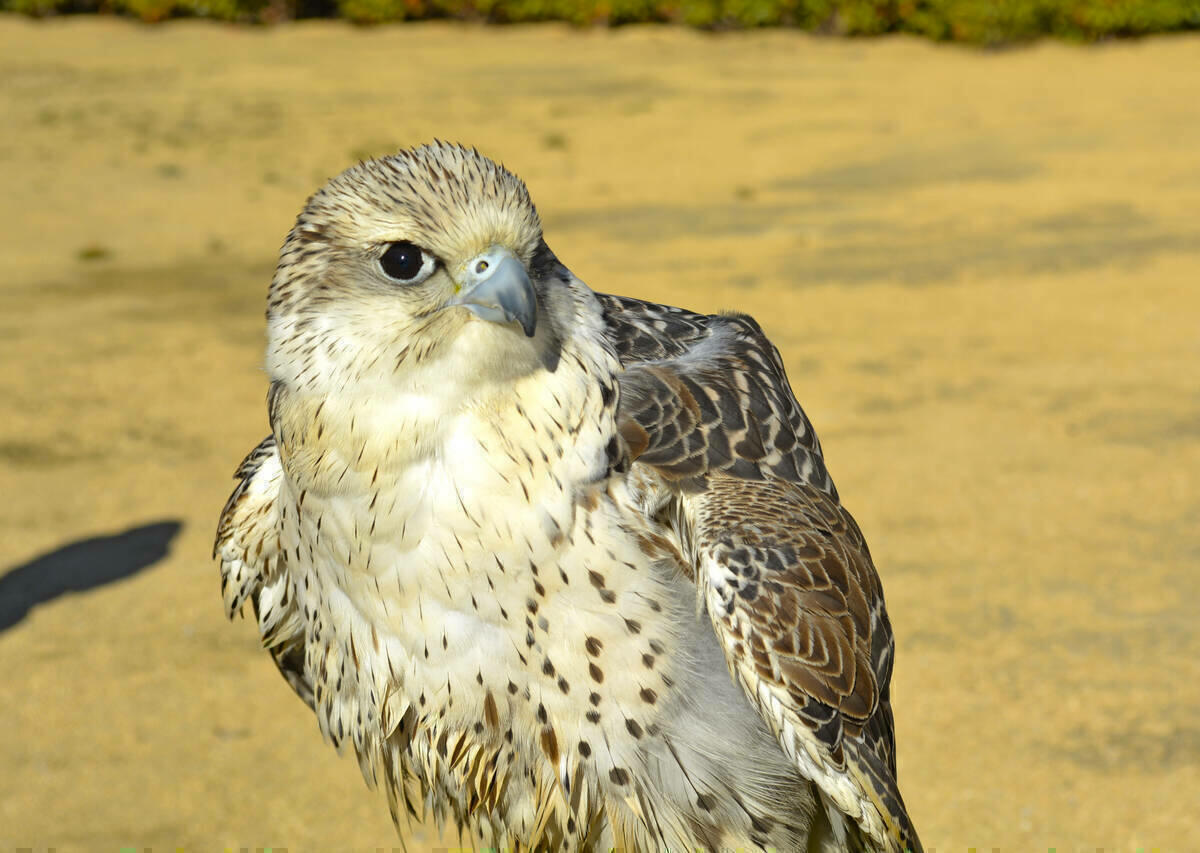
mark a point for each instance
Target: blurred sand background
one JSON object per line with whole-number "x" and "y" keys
{"x": 982, "y": 270}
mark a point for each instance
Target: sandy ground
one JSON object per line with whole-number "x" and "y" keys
{"x": 983, "y": 270}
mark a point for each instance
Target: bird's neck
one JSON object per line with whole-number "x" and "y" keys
{"x": 555, "y": 421}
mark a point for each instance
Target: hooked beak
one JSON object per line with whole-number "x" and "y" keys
{"x": 495, "y": 287}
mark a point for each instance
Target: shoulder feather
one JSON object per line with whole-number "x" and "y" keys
{"x": 705, "y": 394}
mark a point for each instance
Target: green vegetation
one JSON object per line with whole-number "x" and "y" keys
{"x": 974, "y": 21}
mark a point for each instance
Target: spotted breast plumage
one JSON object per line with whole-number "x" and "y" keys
{"x": 562, "y": 569}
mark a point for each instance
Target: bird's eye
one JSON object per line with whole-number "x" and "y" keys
{"x": 404, "y": 261}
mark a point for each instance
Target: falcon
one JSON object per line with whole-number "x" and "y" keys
{"x": 564, "y": 570}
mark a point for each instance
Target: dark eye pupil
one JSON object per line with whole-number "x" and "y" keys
{"x": 402, "y": 260}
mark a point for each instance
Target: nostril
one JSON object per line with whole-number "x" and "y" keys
{"x": 481, "y": 267}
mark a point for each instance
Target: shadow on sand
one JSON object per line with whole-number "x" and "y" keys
{"x": 81, "y": 566}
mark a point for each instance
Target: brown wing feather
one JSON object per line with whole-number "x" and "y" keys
{"x": 790, "y": 586}
{"x": 796, "y": 600}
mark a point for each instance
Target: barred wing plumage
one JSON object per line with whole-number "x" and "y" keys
{"x": 254, "y": 568}
{"x": 707, "y": 413}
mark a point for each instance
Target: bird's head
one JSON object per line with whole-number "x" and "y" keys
{"x": 416, "y": 268}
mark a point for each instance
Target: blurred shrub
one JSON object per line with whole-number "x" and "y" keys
{"x": 976, "y": 21}
{"x": 983, "y": 22}
{"x": 147, "y": 10}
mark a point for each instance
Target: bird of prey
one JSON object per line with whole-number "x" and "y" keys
{"x": 565, "y": 570}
